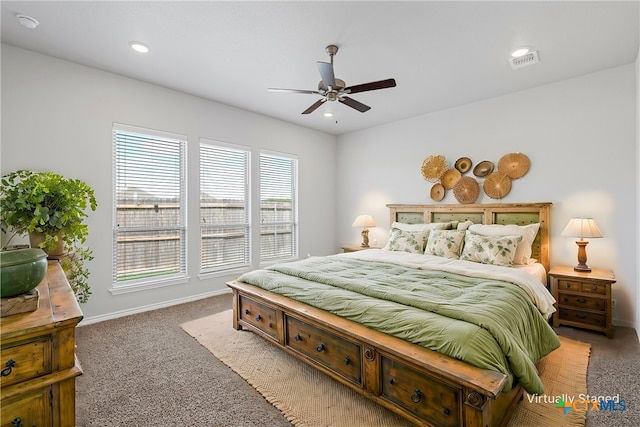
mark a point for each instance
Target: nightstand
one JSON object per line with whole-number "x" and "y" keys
{"x": 583, "y": 298}
{"x": 346, "y": 249}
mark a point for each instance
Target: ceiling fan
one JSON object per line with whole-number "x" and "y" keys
{"x": 333, "y": 89}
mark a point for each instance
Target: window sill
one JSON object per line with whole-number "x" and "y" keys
{"x": 143, "y": 286}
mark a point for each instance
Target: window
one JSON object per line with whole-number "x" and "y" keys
{"x": 149, "y": 230}
{"x": 278, "y": 207}
{"x": 225, "y": 233}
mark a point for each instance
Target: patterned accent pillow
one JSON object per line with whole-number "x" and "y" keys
{"x": 445, "y": 243}
{"x": 528, "y": 233}
{"x": 496, "y": 250}
{"x": 406, "y": 241}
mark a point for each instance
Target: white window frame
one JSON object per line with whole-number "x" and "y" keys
{"x": 212, "y": 168}
{"x": 180, "y": 146}
{"x": 292, "y": 191}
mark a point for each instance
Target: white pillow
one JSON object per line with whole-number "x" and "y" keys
{"x": 464, "y": 225}
{"x": 496, "y": 250}
{"x": 528, "y": 233}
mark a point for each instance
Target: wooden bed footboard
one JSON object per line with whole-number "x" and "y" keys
{"x": 421, "y": 385}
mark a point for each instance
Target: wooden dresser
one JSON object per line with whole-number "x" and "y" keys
{"x": 37, "y": 361}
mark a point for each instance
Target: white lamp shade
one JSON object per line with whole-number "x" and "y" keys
{"x": 364, "y": 221}
{"x": 582, "y": 227}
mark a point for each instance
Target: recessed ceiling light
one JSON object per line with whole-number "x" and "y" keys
{"x": 520, "y": 52}
{"x": 139, "y": 47}
{"x": 27, "y": 21}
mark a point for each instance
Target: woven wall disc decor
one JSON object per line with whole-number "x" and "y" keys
{"x": 437, "y": 192}
{"x": 466, "y": 190}
{"x": 449, "y": 178}
{"x": 433, "y": 167}
{"x": 483, "y": 169}
{"x": 497, "y": 185}
{"x": 515, "y": 165}
{"x": 463, "y": 164}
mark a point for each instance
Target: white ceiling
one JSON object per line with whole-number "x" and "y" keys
{"x": 442, "y": 54}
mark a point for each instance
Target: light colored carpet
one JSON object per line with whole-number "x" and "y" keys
{"x": 308, "y": 398}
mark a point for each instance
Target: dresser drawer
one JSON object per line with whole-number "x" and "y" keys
{"x": 583, "y": 317}
{"x": 582, "y": 301}
{"x": 335, "y": 353}
{"x": 259, "y": 315}
{"x": 25, "y": 361}
{"x": 33, "y": 409}
{"x": 424, "y": 396}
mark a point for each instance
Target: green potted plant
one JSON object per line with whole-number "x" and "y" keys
{"x": 51, "y": 209}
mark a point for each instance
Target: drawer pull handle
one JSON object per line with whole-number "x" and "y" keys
{"x": 258, "y": 318}
{"x": 581, "y": 300}
{"x": 347, "y": 360}
{"x": 246, "y": 311}
{"x": 416, "y": 396}
{"x": 566, "y": 299}
{"x": 320, "y": 348}
{"x": 446, "y": 412}
{"x": 8, "y": 367}
{"x": 392, "y": 381}
{"x": 270, "y": 325}
{"x": 581, "y": 316}
{"x": 298, "y": 337}
{"x": 17, "y": 422}
{"x": 594, "y": 288}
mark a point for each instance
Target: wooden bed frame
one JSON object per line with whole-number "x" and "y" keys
{"x": 421, "y": 385}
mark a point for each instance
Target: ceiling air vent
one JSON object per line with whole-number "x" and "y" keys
{"x": 524, "y": 60}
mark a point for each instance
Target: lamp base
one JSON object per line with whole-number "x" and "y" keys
{"x": 365, "y": 238}
{"x": 582, "y": 267}
{"x": 582, "y": 257}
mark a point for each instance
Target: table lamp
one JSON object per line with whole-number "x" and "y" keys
{"x": 582, "y": 227}
{"x": 364, "y": 221}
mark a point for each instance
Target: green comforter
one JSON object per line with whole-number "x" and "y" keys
{"x": 488, "y": 323}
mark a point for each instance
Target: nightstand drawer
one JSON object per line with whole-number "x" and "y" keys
{"x": 578, "y": 286}
{"x": 569, "y": 285}
{"x": 581, "y": 301}
{"x": 583, "y": 317}
{"x": 594, "y": 288}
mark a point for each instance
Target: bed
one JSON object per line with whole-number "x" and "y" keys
{"x": 403, "y": 326}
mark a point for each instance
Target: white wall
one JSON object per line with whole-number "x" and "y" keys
{"x": 638, "y": 188}
{"x": 580, "y": 135}
{"x": 58, "y": 116}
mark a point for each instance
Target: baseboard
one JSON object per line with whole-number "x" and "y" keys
{"x": 142, "y": 309}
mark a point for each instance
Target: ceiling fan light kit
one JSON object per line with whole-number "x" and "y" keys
{"x": 333, "y": 89}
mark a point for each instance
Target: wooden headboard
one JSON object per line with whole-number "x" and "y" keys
{"x": 503, "y": 213}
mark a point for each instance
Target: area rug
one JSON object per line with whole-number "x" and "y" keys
{"x": 308, "y": 398}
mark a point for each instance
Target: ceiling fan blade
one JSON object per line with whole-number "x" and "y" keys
{"x": 278, "y": 90}
{"x": 326, "y": 72}
{"x": 382, "y": 84}
{"x": 315, "y": 106}
{"x": 354, "y": 104}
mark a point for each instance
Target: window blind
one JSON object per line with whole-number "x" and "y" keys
{"x": 225, "y": 232}
{"x": 149, "y": 194}
{"x": 278, "y": 207}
